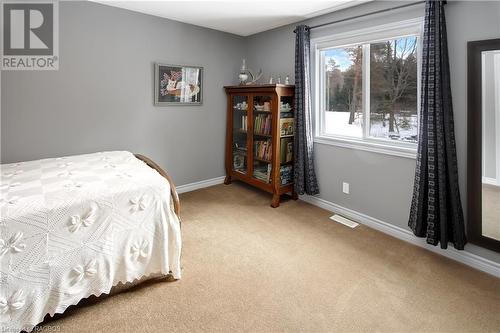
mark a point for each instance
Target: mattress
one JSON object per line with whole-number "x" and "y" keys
{"x": 76, "y": 226}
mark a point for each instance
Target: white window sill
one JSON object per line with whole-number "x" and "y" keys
{"x": 389, "y": 148}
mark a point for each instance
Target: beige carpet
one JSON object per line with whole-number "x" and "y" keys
{"x": 249, "y": 267}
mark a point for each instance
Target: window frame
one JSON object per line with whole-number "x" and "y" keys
{"x": 413, "y": 27}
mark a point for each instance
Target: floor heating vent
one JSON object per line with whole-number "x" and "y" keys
{"x": 344, "y": 221}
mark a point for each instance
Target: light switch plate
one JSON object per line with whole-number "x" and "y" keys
{"x": 345, "y": 187}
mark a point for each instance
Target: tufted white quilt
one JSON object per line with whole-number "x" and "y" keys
{"x": 76, "y": 226}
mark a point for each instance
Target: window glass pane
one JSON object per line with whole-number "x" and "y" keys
{"x": 343, "y": 91}
{"x": 240, "y": 136}
{"x": 393, "y": 89}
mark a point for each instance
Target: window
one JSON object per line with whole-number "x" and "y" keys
{"x": 367, "y": 88}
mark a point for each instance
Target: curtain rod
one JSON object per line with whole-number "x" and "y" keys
{"x": 367, "y": 14}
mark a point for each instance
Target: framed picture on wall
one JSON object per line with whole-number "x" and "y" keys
{"x": 178, "y": 85}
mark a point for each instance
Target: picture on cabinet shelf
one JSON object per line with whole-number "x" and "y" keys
{"x": 239, "y": 162}
{"x": 286, "y": 127}
{"x": 178, "y": 85}
{"x": 286, "y": 150}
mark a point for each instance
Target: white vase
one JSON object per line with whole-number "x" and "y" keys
{"x": 243, "y": 77}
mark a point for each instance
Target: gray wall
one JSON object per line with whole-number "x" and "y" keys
{"x": 102, "y": 96}
{"x": 381, "y": 185}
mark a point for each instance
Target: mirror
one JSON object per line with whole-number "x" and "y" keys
{"x": 490, "y": 102}
{"x": 483, "y": 222}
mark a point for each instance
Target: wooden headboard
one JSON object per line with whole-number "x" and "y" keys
{"x": 173, "y": 191}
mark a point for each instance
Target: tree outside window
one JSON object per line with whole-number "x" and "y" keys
{"x": 392, "y": 91}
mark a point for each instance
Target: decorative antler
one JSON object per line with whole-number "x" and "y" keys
{"x": 254, "y": 78}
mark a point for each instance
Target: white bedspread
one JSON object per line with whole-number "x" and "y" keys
{"x": 76, "y": 226}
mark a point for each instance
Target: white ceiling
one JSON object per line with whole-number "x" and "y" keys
{"x": 240, "y": 17}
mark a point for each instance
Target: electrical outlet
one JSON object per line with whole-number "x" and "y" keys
{"x": 345, "y": 187}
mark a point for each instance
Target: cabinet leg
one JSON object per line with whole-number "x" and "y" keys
{"x": 227, "y": 180}
{"x": 275, "y": 203}
{"x": 295, "y": 196}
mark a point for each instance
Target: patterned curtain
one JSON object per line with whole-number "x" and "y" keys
{"x": 304, "y": 175}
{"x": 436, "y": 211}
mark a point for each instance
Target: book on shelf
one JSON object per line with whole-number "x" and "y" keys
{"x": 286, "y": 174}
{"x": 244, "y": 123}
{"x": 262, "y": 124}
{"x": 263, "y": 149}
{"x": 284, "y": 114}
{"x": 263, "y": 172}
{"x": 286, "y": 127}
{"x": 286, "y": 150}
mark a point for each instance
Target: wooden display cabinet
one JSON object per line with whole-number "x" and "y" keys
{"x": 260, "y": 134}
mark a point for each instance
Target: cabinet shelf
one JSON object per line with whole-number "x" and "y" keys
{"x": 255, "y": 158}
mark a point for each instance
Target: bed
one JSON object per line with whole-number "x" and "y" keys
{"x": 77, "y": 226}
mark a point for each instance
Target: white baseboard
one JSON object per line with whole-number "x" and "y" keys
{"x": 464, "y": 257}
{"x": 491, "y": 181}
{"x": 201, "y": 184}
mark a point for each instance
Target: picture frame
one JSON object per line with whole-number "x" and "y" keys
{"x": 286, "y": 127}
{"x": 178, "y": 85}
{"x": 239, "y": 162}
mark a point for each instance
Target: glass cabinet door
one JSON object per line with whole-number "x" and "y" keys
{"x": 286, "y": 135}
{"x": 240, "y": 130}
{"x": 262, "y": 137}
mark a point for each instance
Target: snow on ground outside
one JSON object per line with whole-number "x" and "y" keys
{"x": 337, "y": 122}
